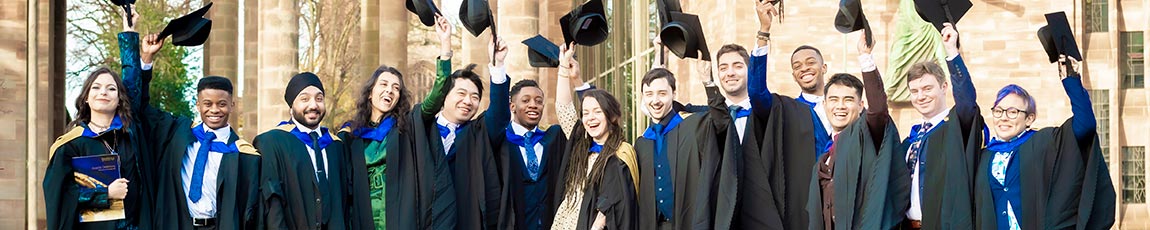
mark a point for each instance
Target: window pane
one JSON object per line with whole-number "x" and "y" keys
{"x": 1134, "y": 174}
{"x": 1097, "y": 16}
{"x": 1131, "y": 59}
{"x": 1100, "y": 98}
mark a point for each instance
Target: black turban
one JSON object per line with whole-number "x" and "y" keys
{"x": 298, "y": 83}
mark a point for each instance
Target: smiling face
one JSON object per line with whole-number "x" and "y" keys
{"x": 215, "y": 107}
{"x": 103, "y": 95}
{"x": 733, "y": 74}
{"x": 1007, "y": 128}
{"x": 842, "y": 105}
{"x": 658, "y": 97}
{"x": 808, "y": 68}
{"x": 527, "y": 106}
{"x": 308, "y": 108}
{"x": 927, "y": 95}
{"x": 385, "y": 93}
{"x": 461, "y": 102}
{"x": 595, "y": 120}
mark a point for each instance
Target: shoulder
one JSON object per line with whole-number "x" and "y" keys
{"x": 246, "y": 147}
{"x": 72, "y": 134}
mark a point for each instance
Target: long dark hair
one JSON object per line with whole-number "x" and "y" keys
{"x": 582, "y": 142}
{"x": 84, "y": 111}
{"x": 363, "y": 105}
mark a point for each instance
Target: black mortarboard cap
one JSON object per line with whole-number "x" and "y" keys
{"x": 425, "y": 9}
{"x": 683, "y": 35}
{"x": 585, "y": 25}
{"x": 938, "y": 12}
{"x": 189, "y": 30}
{"x": 542, "y": 52}
{"x": 665, "y": 7}
{"x": 123, "y": 2}
{"x": 850, "y": 18}
{"x": 475, "y": 16}
{"x": 1057, "y": 38}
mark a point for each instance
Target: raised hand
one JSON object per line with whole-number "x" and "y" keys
{"x": 862, "y": 46}
{"x": 1068, "y": 66}
{"x": 950, "y": 39}
{"x": 149, "y": 46}
{"x": 568, "y": 66}
{"x": 443, "y": 29}
{"x": 130, "y": 27}
{"x": 497, "y": 49}
{"x": 767, "y": 11}
{"x": 704, "y": 68}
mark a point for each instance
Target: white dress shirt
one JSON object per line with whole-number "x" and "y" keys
{"x": 915, "y": 211}
{"x": 741, "y": 123}
{"x": 311, "y": 153}
{"x": 206, "y": 207}
{"x": 520, "y": 130}
{"x": 448, "y": 140}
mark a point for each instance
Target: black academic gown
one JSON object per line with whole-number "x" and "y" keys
{"x": 516, "y": 198}
{"x": 693, "y": 155}
{"x": 63, "y": 198}
{"x": 290, "y": 194}
{"x": 614, "y": 194}
{"x": 861, "y": 173}
{"x": 436, "y": 174}
{"x": 1065, "y": 183}
{"x": 402, "y": 197}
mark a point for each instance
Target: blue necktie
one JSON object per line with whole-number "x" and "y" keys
{"x": 443, "y": 130}
{"x": 206, "y": 139}
{"x": 916, "y": 146}
{"x": 738, "y": 112}
{"x": 596, "y": 148}
{"x": 528, "y": 141}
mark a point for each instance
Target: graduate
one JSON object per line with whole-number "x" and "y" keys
{"x": 598, "y": 188}
{"x": 851, "y": 177}
{"x": 765, "y": 175}
{"x": 677, "y": 156}
{"x": 458, "y": 146}
{"x": 935, "y": 183}
{"x": 104, "y": 125}
{"x": 1059, "y": 169}
{"x": 531, "y": 157}
{"x": 383, "y": 165}
{"x": 435, "y": 174}
{"x": 207, "y": 175}
{"x": 302, "y": 169}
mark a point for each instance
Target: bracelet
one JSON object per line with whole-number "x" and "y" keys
{"x": 765, "y": 34}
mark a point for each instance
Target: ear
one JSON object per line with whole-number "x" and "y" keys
{"x": 1029, "y": 119}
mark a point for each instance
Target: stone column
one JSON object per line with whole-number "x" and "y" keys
{"x": 392, "y": 31}
{"x": 278, "y": 59}
{"x": 14, "y": 78}
{"x": 221, "y": 52}
{"x": 517, "y": 21}
{"x": 248, "y": 108}
{"x": 369, "y": 41}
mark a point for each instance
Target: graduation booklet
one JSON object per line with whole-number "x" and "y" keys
{"x": 99, "y": 171}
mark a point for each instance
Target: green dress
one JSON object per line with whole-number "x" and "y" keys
{"x": 376, "y": 156}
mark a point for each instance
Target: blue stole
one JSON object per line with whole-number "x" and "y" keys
{"x": 377, "y": 133}
{"x": 1010, "y": 191}
{"x": 324, "y": 137}
{"x": 664, "y": 191}
{"x": 529, "y": 148}
{"x": 115, "y": 125}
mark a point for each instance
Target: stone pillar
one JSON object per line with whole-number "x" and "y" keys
{"x": 392, "y": 34}
{"x": 248, "y": 108}
{"x": 14, "y": 78}
{"x": 278, "y": 59}
{"x": 369, "y": 41}
{"x": 517, "y": 21}
{"x": 473, "y": 49}
{"x": 221, "y": 52}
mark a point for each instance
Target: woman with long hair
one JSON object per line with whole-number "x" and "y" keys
{"x": 382, "y": 161}
{"x": 97, "y": 175}
{"x": 597, "y": 190}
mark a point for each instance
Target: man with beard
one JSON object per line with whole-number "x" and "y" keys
{"x": 301, "y": 169}
{"x": 462, "y": 168}
{"x": 208, "y": 175}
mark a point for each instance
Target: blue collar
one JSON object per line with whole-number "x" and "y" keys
{"x": 596, "y": 147}
{"x": 115, "y": 125}
{"x": 653, "y": 134}
{"x": 377, "y": 133}
{"x": 997, "y": 145}
{"x": 324, "y": 136}
{"x": 536, "y": 136}
{"x": 219, "y": 147}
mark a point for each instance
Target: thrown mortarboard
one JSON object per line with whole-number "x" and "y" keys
{"x": 425, "y": 9}
{"x": 938, "y": 12}
{"x": 683, "y": 35}
{"x": 850, "y": 18}
{"x": 1057, "y": 38}
{"x": 585, "y": 25}
{"x": 189, "y": 30}
{"x": 476, "y": 16}
{"x": 542, "y": 52}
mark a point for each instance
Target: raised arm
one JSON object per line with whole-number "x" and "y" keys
{"x": 757, "y": 70}
{"x": 963, "y": 89}
{"x": 1083, "y": 122}
{"x": 129, "y": 42}
{"x": 434, "y": 100}
{"x": 564, "y": 103}
{"x": 877, "y": 115}
{"x": 498, "y": 115}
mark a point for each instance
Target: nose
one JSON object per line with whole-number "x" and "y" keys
{"x": 467, "y": 101}
{"x": 386, "y": 90}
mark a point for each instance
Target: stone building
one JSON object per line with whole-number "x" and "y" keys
{"x": 251, "y": 43}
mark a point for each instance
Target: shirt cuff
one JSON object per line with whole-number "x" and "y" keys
{"x": 761, "y": 51}
{"x": 498, "y": 74}
{"x": 867, "y": 63}
{"x": 583, "y": 87}
{"x": 951, "y": 58}
{"x": 146, "y": 66}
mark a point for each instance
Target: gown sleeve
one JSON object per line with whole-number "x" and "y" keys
{"x": 616, "y": 198}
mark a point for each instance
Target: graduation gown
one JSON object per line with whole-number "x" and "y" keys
{"x": 402, "y": 195}
{"x": 693, "y": 155}
{"x": 290, "y": 195}
{"x": 517, "y": 200}
{"x": 614, "y": 194}
{"x": 1065, "y": 183}
{"x": 948, "y": 158}
{"x": 861, "y": 172}
{"x": 64, "y": 199}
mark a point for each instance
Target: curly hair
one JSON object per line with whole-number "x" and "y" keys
{"x": 363, "y": 105}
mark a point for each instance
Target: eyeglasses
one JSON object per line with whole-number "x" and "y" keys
{"x": 1011, "y": 113}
